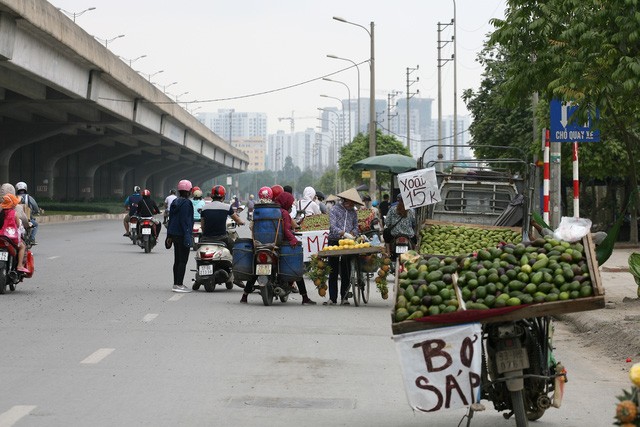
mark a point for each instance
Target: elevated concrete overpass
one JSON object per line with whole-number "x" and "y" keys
{"x": 76, "y": 122}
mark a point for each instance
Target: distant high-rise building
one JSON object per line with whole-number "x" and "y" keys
{"x": 230, "y": 124}
{"x": 255, "y": 149}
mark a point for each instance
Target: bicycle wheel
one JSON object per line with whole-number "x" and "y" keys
{"x": 353, "y": 280}
{"x": 366, "y": 279}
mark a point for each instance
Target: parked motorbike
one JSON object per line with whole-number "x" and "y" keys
{"x": 9, "y": 274}
{"x": 196, "y": 234}
{"x": 266, "y": 260}
{"x": 214, "y": 262}
{"x": 519, "y": 372}
{"x": 133, "y": 229}
{"x": 147, "y": 238}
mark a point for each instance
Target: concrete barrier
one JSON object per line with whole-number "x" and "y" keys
{"x": 68, "y": 218}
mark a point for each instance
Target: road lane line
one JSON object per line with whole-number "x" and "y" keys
{"x": 54, "y": 257}
{"x": 176, "y": 297}
{"x": 98, "y": 355}
{"x": 149, "y": 317}
{"x": 13, "y": 415}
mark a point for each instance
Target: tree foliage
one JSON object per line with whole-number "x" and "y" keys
{"x": 358, "y": 149}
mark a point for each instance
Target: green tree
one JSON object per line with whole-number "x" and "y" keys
{"x": 327, "y": 182}
{"x": 358, "y": 149}
{"x": 582, "y": 51}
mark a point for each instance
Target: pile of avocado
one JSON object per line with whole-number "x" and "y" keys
{"x": 545, "y": 270}
{"x": 453, "y": 240}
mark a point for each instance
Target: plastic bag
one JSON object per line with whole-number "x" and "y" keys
{"x": 572, "y": 229}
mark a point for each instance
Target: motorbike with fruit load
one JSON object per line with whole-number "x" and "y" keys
{"x": 511, "y": 284}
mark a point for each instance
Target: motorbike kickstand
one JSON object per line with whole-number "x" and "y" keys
{"x": 474, "y": 407}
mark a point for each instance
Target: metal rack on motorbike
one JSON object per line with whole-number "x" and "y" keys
{"x": 362, "y": 269}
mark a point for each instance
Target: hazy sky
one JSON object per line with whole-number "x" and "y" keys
{"x": 216, "y": 50}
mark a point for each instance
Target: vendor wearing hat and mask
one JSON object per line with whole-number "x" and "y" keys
{"x": 343, "y": 219}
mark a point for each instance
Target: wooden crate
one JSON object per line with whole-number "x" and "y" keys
{"x": 531, "y": 310}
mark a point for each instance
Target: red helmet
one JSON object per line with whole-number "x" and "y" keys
{"x": 265, "y": 193}
{"x": 218, "y": 192}
{"x": 146, "y": 193}
{"x": 184, "y": 185}
{"x": 277, "y": 190}
{"x": 194, "y": 189}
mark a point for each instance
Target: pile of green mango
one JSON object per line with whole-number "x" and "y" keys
{"x": 452, "y": 240}
{"x": 544, "y": 270}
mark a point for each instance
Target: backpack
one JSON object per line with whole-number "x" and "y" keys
{"x": 24, "y": 201}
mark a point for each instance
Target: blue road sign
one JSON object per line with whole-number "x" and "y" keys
{"x": 563, "y": 130}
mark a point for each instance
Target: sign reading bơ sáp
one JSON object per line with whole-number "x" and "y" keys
{"x": 441, "y": 367}
{"x": 419, "y": 188}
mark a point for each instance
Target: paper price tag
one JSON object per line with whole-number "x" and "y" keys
{"x": 419, "y": 188}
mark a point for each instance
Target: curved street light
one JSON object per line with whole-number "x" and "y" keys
{"x": 75, "y": 14}
{"x": 182, "y": 94}
{"x": 107, "y": 41}
{"x": 131, "y": 61}
{"x": 349, "y": 95}
{"x": 358, "y": 69}
{"x": 334, "y": 112}
{"x": 150, "y": 75}
{"x": 372, "y": 103}
{"x": 344, "y": 134}
{"x": 164, "y": 87}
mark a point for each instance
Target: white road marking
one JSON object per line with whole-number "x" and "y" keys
{"x": 176, "y": 297}
{"x": 13, "y": 415}
{"x": 54, "y": 257}
{"x": 98, "y": 355}
{"x": 149, "y": 317}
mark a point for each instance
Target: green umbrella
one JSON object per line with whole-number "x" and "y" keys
{"x": 394, "y": 163}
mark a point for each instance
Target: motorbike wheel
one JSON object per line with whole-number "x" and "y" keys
{"x": 195, "y": 286}
{"x": 533, "y": 416}
{"x": 229, "y": 285}
{"x": 267, "y": 294}
{"x": 209, "y": 286}
{"x": 284, "y": 298}
{"x": 147, "y": 245}
{"x": 3, "y": 281}
{"x": 517, "y": 403}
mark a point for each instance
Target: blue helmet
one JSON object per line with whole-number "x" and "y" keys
{"x": 374, "y": 204}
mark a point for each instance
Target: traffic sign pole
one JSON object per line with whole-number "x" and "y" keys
{"x": 576, "y": 183}
{"x": 546, "y": 178}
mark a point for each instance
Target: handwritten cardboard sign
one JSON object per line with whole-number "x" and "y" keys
{"x": 419, "y": 188}
{"x": 312, "y": 242}
{"x": 441, "y": 367}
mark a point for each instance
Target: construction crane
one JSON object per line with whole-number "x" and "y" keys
{"x": 292, "y": 120}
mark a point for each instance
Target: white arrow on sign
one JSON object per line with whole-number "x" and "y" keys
{"x": 563, "y": 115}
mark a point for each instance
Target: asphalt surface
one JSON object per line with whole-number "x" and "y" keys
{"x": 97, "y": 338}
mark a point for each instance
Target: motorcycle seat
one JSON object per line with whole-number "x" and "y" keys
{"x": 265, "y": 246}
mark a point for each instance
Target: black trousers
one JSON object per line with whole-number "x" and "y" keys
{"x": 180, "y": 259}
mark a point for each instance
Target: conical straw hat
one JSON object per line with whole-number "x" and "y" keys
{"x": 351, "y": 194}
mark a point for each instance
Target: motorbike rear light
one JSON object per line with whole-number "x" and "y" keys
{"x": 195, "y": 230}
{"x": 402, "y": 241}
{"x": 147, "y": 223}
{"x": 264, "y": 258}
{"x": 206, "y": 255}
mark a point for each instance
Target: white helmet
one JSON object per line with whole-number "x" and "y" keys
{"x": 21, "y": 186}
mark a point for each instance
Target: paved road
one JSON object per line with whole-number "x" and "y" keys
{"x": 97, "y": 338}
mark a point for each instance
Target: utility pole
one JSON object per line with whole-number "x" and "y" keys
{"x": 455, "y": 87}
{"x": 391, "y": 97}
{"x": 409, "y": 96}
{"x": 441, "y": 62}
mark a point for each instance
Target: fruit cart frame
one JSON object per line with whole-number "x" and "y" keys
{"x": 359, "y": 280}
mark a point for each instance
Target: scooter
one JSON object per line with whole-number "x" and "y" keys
{"x": 266, "y": 259}
{"x": 147, "y": 238}
{"x": 196, "y": 234}
{"x": 519, "y": 372}
{"x": 214, "y": 262}
{"x": 133, "y": 229}
{"x": 9, "y": 274}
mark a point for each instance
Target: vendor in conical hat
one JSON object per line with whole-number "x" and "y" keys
{"x": 352, "y": 195}
{"x": 343, "y": 221}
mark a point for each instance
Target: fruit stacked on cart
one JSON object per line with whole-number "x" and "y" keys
{"x": 321, "y": 222}
{"x": 510, "y": 274}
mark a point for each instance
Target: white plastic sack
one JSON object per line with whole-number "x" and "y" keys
{"x": 572, "y": 229}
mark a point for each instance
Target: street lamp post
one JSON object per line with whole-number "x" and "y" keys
{"x": 131, "y": 61}
{"x": 75, "y": 14}
{"x": 331, "y": 111}
{"x": 349, "y": 95}
{"x": 151, "y": 75}
{"x": 164, "y": 87}
{"x": 107, "y": 41}
{"x": 344, "y": 134}
{"x": 358, "y": 69}
{"x": 372, "y": 101}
